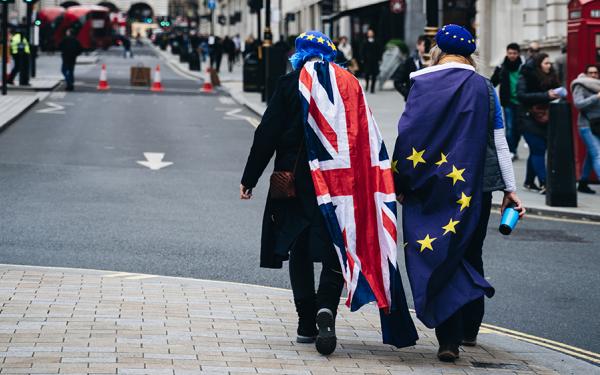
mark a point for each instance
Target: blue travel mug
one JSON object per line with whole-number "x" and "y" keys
{"x": 509, "y": 221}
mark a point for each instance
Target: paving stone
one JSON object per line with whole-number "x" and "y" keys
{"x": 80, "y": 322}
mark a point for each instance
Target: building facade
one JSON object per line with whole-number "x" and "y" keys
{"x": 500, "y": 22}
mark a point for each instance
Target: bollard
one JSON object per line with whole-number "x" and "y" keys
{"x": 23, "y": 62}
{"x": 561, "y": 181}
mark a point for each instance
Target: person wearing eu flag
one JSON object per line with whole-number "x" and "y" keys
{"x": 450, "y": 155}
{"x": 331, "y": 197}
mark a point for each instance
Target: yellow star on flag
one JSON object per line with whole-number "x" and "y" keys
{"x": 426, "y": 243}
{"x": 464, "y": 201}
{"x": 442, "y": 160}
{"x": 395, "y": 166}
{"x": 450, "y": 227}
{"x": 302, "y": 35}
{"x": 320, "y": 40}
{"x": 416, "y": 157}
{"x": 456, "y": 175}
{"x": 310, "y": 37}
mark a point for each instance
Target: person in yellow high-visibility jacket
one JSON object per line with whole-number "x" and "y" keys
{"x": 19, "y": 50}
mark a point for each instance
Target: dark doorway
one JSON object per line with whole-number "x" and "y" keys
{"x": 140, "y": 12}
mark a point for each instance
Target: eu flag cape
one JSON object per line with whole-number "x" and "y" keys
{"x": 439, "y": 159}
{"x": 353, "y": 180}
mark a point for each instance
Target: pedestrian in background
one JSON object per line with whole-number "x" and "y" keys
{"x": 70, "y": 49}
{"x": 370, "y": 55}
{"x": 443, "y": 153}
{"x": 127, "y": 47}
{"x": 19, "y": 52}
{"x": 238, "y": 46}
{"x": 250, "y": 46}
{"x": 229, "y": 49}
{"x": 507, "y": 76}
{"x": 586, "y": 98}
{"x": 537, "y": 87}
{"x": 416, "y": 61}
{"x": 345, "y": 48}
{"x": 215, "y": 46}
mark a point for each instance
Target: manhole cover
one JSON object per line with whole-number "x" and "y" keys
{"x": 500, "y": 366}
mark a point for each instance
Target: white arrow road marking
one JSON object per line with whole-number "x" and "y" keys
{"x": 52, "y": 108}
{"x": 226, "y": 100}
{"x": 233, "y": 115}
{"x": 58, "y": 95}
{"x": 154, "y": 161}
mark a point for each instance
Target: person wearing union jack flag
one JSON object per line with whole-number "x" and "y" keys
{"x": 331, "y": 197}
{"x": 450, "y": 154}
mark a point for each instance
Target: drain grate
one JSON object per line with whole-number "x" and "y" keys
{"x": 500, "y": 366}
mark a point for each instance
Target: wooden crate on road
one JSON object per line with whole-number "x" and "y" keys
{"x": 140, "y": 76}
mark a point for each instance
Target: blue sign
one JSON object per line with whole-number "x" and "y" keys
{"x": 212, "y": 4}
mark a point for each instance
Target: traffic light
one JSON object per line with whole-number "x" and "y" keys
{"x": 30, "y": 1}
{"x": 148, "y": 20}
{"x": 38, "y": 23}
{"x": 165, "y": 23}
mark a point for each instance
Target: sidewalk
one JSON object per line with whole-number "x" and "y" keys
{"x": 14, "y": 105}
{"x": 387, "y": 106}
{"x": 75, "y": 321}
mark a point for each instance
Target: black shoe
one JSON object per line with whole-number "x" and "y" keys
{"x": 307, "y": 324}
{"x": 469, "y": 341}
{"x": 532, "y": 187}
{"x": 448, "y": 353}
{"x": 326, "y": 340}
{"x": 583, "y": 187}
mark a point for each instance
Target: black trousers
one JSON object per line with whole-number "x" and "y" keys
{"x": 16, "y": 67}
{"x": 466, "y": 321}
{"x": 372, "y": 78}
{"x": 302, "y": 276}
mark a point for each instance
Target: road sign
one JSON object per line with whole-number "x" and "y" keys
{"x": 212, "y": 4}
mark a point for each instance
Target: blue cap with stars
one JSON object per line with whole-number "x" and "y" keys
{"x": 315, "y": 43}
{"x": 456, "y": 40}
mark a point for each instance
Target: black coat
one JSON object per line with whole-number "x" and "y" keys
{"x": 402, "y": 74}
{"x": 370, "y": 55}
{"x": 70, "y": 49}
{"x": 281, "y": 131}
{"x": 501, "y": 77}
{"x": 530, "y": 92}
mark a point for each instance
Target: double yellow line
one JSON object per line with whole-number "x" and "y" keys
{"x": 554, "y": 345}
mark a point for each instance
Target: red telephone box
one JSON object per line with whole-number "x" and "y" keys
{"x": 583, "y": 48}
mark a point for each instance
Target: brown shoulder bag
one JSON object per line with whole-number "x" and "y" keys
{"x": 540, "y": 113}
{"x": 282, "y": 184}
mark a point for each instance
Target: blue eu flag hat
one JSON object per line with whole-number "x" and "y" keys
{"x": 455, "y": 40}
{"x": 313, "y": 44}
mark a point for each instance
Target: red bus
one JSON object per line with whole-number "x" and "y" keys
{"x": 91, "y": 25}
{"x": 48, "y": 19}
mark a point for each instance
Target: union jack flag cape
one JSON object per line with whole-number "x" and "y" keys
{"x": 353, "y": 180}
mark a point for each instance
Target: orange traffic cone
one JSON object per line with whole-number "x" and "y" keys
{"x": 103, "y": 84}
{"x": 207, "y": 87}
{"x": 157, "y": 84}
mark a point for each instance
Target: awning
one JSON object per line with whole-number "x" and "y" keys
{"x": 348, "y": 12}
